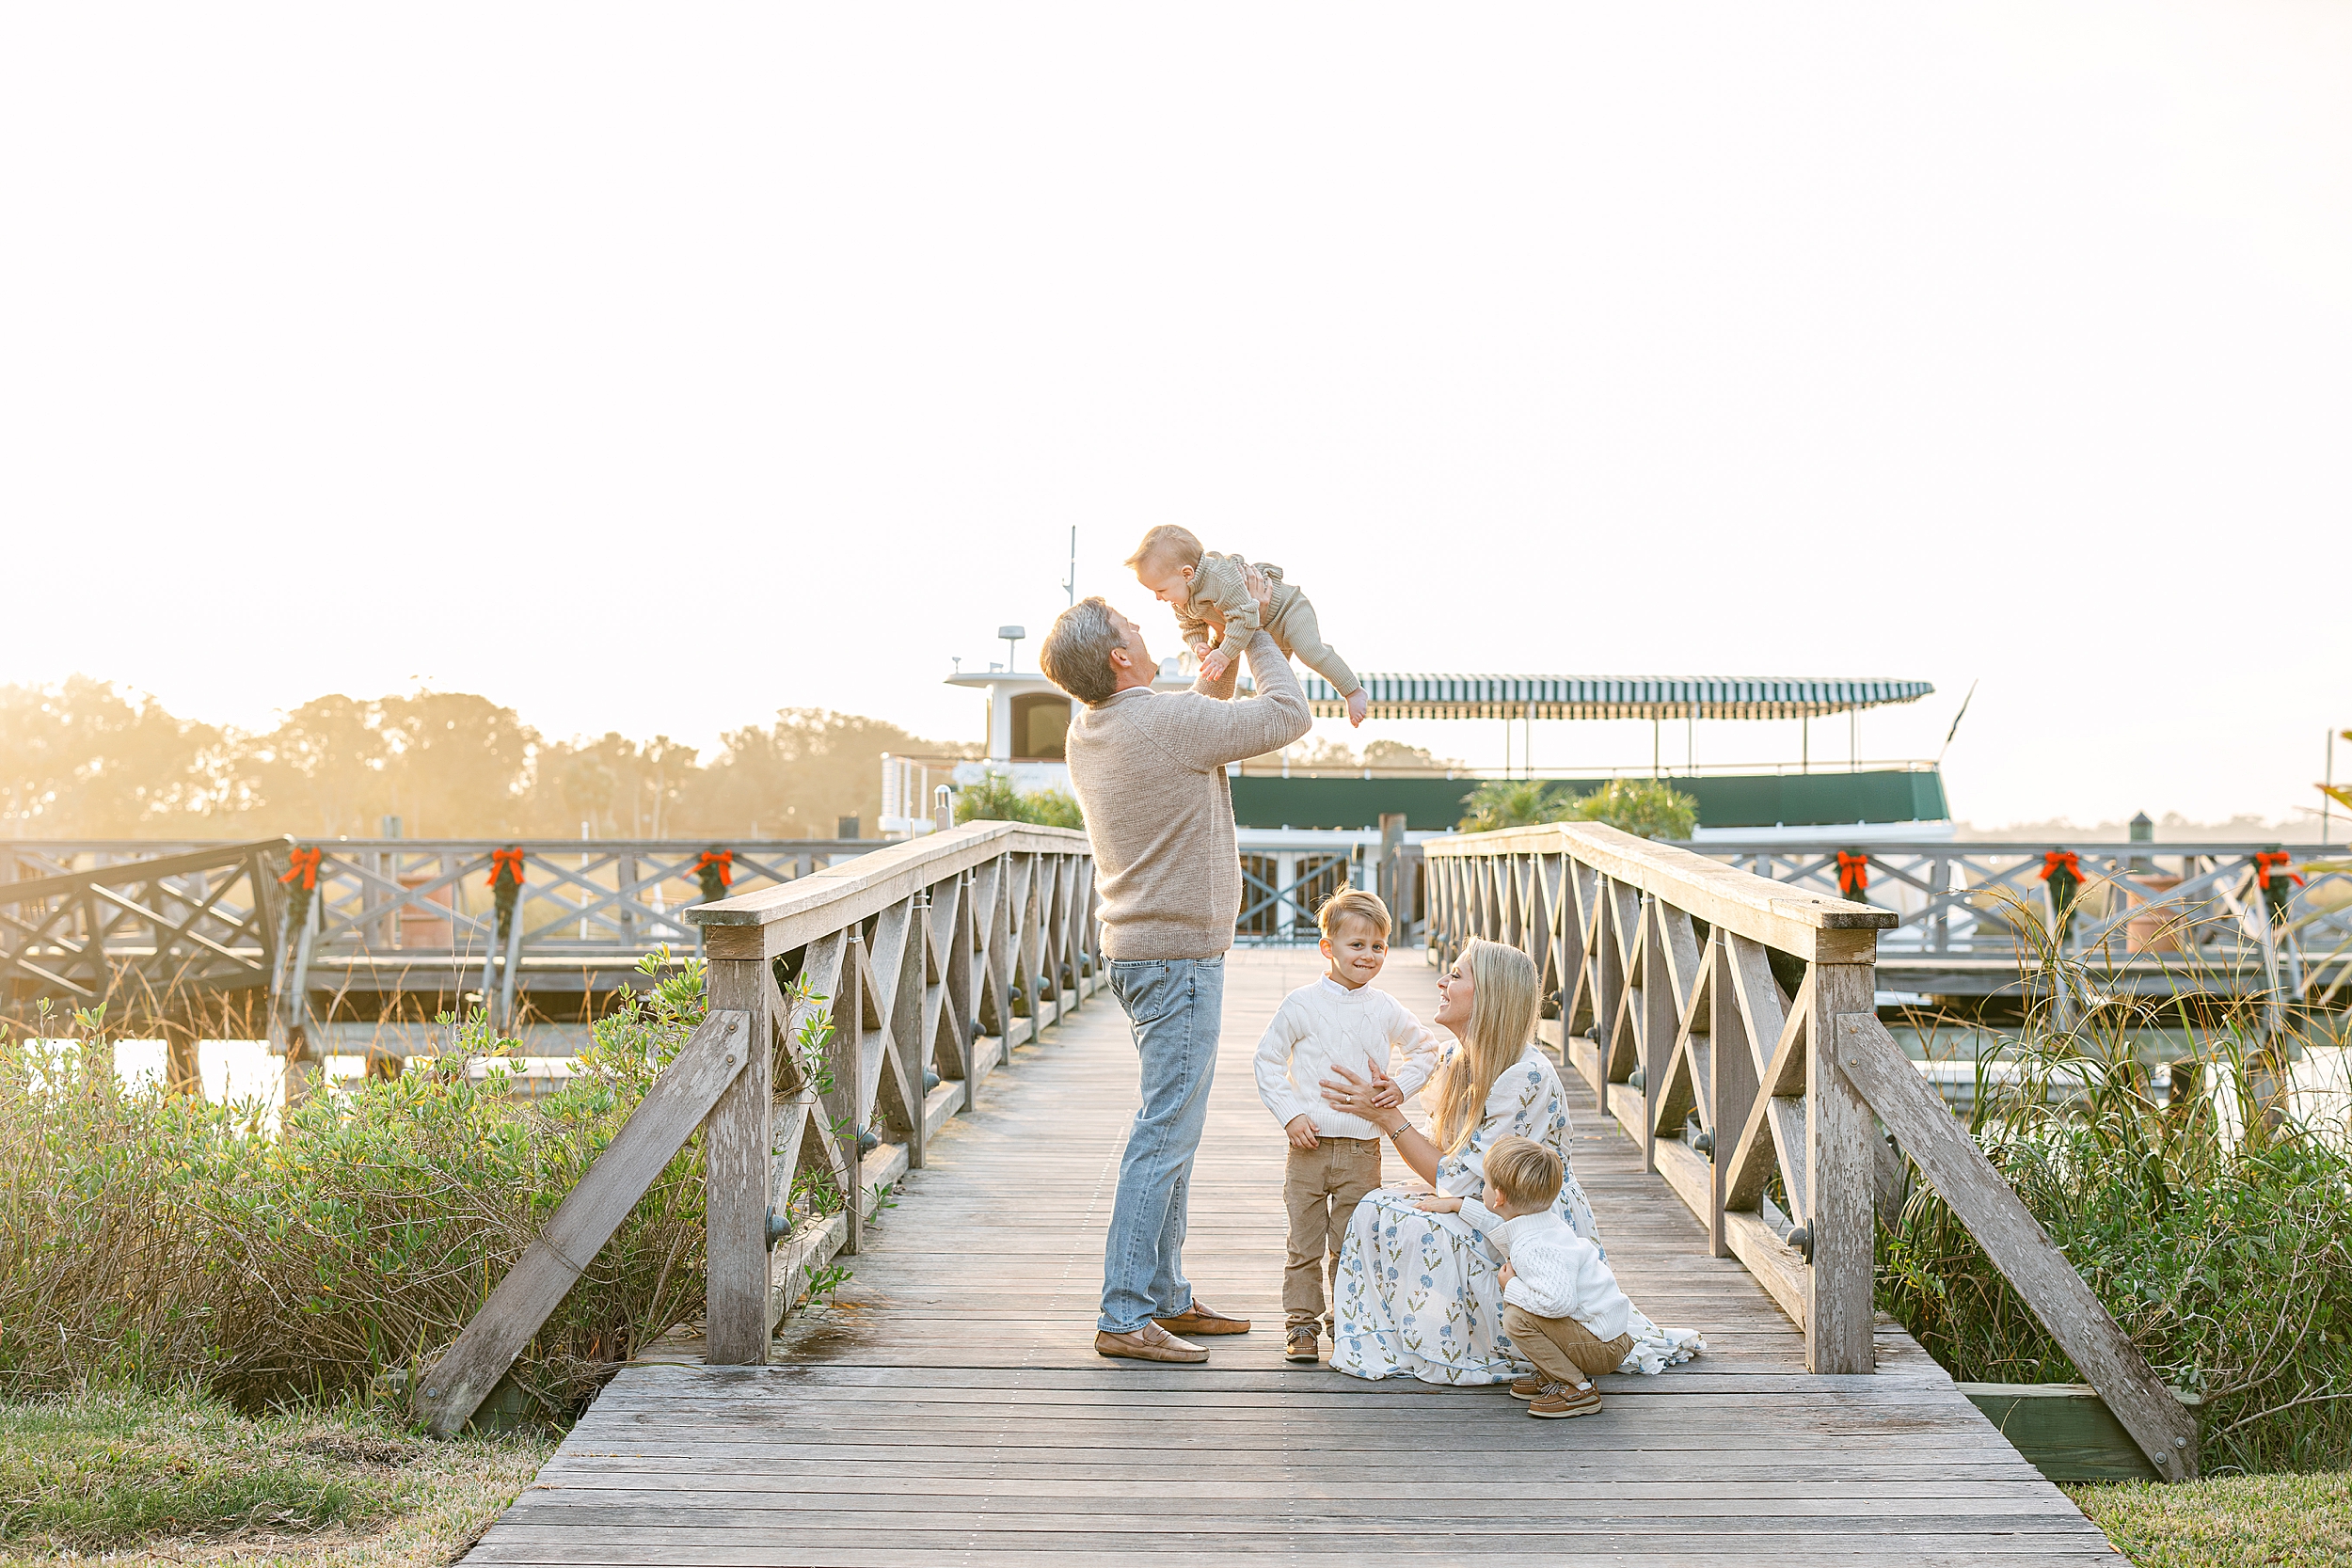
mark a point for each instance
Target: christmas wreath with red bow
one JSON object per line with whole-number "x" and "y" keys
{"x": 716, "y": 872}
{"x": 1853, "y": 873}
{"x": 506, "y": 885}
{"x": 304, "y": 875}
{"x": 2276, "y": 881}
{"x": 2063, "y": 870}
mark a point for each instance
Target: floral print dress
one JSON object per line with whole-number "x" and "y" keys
{"x": 1418, "y": 1293}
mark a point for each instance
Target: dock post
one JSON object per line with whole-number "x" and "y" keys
{"x": 736, "y": 1159}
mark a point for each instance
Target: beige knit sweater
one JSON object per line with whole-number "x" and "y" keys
{"x": 1149, "y": 769}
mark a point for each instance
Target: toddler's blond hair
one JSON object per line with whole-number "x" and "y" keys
{"x": 1526, "y": 1173}
{"x": 1352, "y": 904}
{"x": 1168, "y": 546}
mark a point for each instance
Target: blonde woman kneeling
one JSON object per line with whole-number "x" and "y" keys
{"x": 1418, "y": 1293}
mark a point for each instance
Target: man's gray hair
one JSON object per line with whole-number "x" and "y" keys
{"x": 1076, "y": 655}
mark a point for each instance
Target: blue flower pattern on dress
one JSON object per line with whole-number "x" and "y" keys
{"x": 1383, "y": 1329}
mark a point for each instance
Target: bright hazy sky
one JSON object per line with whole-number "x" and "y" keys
{"x": 655, "y": 368}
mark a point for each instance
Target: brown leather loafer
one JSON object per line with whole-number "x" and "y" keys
{"x": 1197, "y": 1319}
{"x": 1560, "y": 1402}
{"x": 1149, "y": 1343}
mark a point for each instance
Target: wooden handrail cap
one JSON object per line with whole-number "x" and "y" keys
{"x": 1714, "y": 892}
{"x": 925, "y": 860}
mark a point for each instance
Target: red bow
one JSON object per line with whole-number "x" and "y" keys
{"x": 2273, "y": 863}
{"x": 306, "y": 865}
{"x": 503, "y": 862}
{"x": 1854, "y": 873}
{"x": 724, "y": 860}
{"x": 2063, "y": 863}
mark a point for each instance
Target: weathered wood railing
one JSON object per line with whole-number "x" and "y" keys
{"x": 2197, "y": 910}
{"x": 157, "y": 926}
{"x": 1729, "y": 1024}
{"x": 87, "y": 921}
{"x": 935, "y": 956}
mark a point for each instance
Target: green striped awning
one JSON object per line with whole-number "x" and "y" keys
{"x": 1611, "y": 697}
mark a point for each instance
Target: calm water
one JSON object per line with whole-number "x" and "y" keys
{"x": 244, "y": 1072}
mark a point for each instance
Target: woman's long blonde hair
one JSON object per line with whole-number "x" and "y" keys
{"x": 1501, "y": 1022}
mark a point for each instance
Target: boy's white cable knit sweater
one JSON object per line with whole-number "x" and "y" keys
{"x": 1324, "y": 1023}
{"x": 1558, "y": 1273}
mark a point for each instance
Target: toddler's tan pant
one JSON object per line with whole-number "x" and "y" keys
{"x": 1321, "y": 1187}
{"x": 1296, "y": 633}
{"x": 1563, "y": 1349}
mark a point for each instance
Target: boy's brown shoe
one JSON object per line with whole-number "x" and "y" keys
{"x": 1197, "y": 1319}
{"x": 1529, "y": 1386}
{"x": 1558, "y": 1400}
{"x": 1302, "y": 1346}
{"x": 1149, "y": 1343}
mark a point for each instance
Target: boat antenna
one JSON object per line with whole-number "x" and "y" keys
{"x": 1070, "y": 587}
{"x": 1956, "y": 718}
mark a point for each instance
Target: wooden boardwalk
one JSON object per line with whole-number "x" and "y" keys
{"x": 950, "y": 1409}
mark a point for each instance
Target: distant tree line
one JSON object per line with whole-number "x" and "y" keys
{"x": 87, "y": 759}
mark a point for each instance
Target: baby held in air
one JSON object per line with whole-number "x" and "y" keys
{"x": 1208, "y": 591}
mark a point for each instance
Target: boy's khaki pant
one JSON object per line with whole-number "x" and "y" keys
{"x": 1321, "y": 1187}
{"x": 1563, "y": 1349}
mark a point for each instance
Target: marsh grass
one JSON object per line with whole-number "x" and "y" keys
{"x": 178, "y": 1476}
{"x": 151, "y": 1240}
{"x": 2213, "y": 1220}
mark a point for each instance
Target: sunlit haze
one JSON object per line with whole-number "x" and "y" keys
{"x": 653, "y": 369}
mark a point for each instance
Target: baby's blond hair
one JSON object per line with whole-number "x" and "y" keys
{"x": 1526, "y": 1173}
{"x": 1353, "y": 903}
{"x": 1166, "y": 545}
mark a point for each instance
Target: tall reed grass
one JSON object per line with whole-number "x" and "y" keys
{"x": 2214, "y": 1218}
{"x": 151, "y": 1239}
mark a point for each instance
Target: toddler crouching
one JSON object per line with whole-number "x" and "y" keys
{"x": 1562, "y": 1308}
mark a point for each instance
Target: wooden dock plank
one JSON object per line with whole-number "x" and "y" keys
{"x": 948, "y": 1406}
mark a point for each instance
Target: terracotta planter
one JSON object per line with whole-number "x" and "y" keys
{"x": 418, "y": 930}
{"x": 2149, "y": 933}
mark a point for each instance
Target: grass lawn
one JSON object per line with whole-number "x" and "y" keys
{"x": 2285, "y": 1521}
{"x": 137, "y": 1479}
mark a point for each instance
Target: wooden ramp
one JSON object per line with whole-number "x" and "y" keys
{"x": 950, "y": 1408}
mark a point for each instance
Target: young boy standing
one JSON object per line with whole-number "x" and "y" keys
{"x": 1334, "y": 1157}
{"x": 1560, "y": 1305}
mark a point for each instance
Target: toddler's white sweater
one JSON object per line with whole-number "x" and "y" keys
{"x": 1557, "y": 1273}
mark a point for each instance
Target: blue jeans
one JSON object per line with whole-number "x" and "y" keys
{"x": 1173, "y": 1008}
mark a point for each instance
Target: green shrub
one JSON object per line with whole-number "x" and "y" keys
{"x": 1501, "y": 804}
{"x": 1650, "y": 808}
{"x": 1054, "y": 808}
{"x": 2219, "y": 1234}
{"x": 151, "y": 1238}
{"x": 993, "y": 799}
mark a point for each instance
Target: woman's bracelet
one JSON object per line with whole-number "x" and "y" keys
{"x": 1399, "y": 1130}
